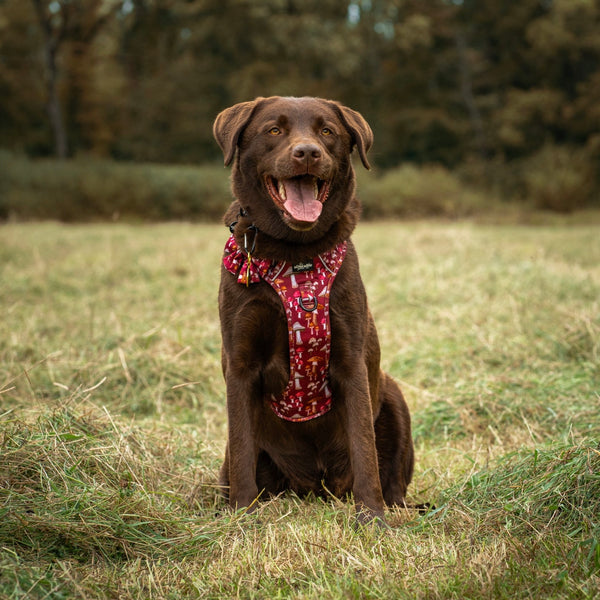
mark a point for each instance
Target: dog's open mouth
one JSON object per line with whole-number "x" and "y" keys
{"x": 300, "y": 197}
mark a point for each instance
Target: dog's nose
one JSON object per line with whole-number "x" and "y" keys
{"x": 304, "y": 152}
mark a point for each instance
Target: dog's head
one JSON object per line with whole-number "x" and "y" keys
{"x": 293, "y": 158}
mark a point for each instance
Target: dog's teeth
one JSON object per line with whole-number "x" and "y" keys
{"x": 316, "y": 190}
{"x": 282, "y": 191}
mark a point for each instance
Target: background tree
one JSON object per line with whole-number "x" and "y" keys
{"x": 74, "y": 25}
{"x": 23, "y": 117}
{"x": 53, "y": 26}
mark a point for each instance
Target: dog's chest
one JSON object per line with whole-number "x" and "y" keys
{"x": 304, "y": 290}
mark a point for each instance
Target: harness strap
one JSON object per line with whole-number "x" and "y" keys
{"x": 304, "y": 290}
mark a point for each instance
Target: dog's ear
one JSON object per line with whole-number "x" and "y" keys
{"x": 358, "y": 128}
{"x": 229, "y": 124}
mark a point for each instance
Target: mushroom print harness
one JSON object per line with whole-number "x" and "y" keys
{"x": 304, "y": 290}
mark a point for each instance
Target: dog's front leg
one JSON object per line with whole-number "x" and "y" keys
{"x": 363, "y": 451}
{"x": 242, "y": 450}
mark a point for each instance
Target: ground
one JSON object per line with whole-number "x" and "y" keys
{"x": 112, "y": 420}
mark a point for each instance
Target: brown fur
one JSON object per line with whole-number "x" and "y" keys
{"x": 363, "y": 444}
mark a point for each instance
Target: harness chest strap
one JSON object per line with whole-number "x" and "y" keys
{"x": 304, "y": 291}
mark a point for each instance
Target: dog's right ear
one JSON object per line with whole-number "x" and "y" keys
{"x": 229, "y": 124}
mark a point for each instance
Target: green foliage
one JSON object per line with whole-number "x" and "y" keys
{"x": 414, "y": 192}
{"x": 87, "y": 190}
{"x": 527, "y": 118}
{"x": 559, "y": 178}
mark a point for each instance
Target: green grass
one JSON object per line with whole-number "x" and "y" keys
{"x": 112, "y": 420}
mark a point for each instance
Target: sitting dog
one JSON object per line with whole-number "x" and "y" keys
{"x": 308, "y": 407}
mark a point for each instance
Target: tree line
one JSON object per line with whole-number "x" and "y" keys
{"x": 476, "y": 85}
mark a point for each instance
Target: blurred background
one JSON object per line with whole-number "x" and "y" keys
{"x": 106, "y": 106}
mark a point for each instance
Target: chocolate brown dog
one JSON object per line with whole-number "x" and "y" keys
{"x": 308, "y": 407}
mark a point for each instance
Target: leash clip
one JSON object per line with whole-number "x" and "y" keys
{"x": 249, "y": 251}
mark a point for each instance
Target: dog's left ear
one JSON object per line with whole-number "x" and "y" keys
{"x": 229, "y": 124}
{"x": 358, "y": 128}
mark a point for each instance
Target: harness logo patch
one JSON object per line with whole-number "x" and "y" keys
{"x": 302, "y": 267}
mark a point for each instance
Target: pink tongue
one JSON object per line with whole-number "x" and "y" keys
{"x": 300, "y": 199}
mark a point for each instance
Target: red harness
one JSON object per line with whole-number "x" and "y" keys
{"x": 304, "y": 290}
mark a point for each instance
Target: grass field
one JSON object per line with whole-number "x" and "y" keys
{"x": 112, "y": 420}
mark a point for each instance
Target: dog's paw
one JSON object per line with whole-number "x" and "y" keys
{"x": 369, "y": 518}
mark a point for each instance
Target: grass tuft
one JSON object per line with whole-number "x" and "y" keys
{"x": 77, "y": 486}
{"x": 538, "y": 495}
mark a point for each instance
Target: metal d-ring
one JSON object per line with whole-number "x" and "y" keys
{"x": 313, "y": 299}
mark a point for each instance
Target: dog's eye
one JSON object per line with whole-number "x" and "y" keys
{"x": 275, "y": 131}
{"x": 326, "y": 131}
